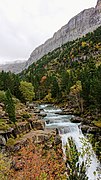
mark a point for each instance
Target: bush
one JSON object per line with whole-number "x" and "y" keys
{"x": 4, "y": 167}
{"x": 10, "y": 142}
{"x": 3, "y": 125}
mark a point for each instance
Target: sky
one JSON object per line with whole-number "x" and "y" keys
{"x": 26, "y": 24}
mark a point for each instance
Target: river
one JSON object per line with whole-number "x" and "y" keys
{"x": 68, "y": 129}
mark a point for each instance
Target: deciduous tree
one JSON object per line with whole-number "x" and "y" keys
{"x": 27, "y": 91}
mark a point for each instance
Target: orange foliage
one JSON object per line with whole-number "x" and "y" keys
{"x": 38, "y": 163}
{"x": 43, "y": 79}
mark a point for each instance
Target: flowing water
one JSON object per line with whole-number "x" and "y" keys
{"x": 66, "y": 130}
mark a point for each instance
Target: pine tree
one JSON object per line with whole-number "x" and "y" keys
{"x": 10, "y": 107}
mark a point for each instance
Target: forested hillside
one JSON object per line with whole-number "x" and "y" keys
{"x": 73, "y": 70}
{"x": 70, "y": 76}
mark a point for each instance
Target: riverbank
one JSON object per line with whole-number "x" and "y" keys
{"x": 29, "y": 144}
{"x": 33, "y": 134}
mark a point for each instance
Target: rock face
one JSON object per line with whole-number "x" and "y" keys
{"x": 14, "y": 67}
{"x": 86, "y": 21}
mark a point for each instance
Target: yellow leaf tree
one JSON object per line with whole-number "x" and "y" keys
{"x": 27, "y": 91}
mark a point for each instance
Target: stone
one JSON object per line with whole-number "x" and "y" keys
{"x": 42, "y": 114}
{"x": 86, "y": 21}
{"x": 38, "y": 125}
{"x": 57, "y": 140}
{"x": 76, "y": 119}
{"x": 85, "y": 128}
{"x": 90, "y": 129}
{"x": 2, "y": 141}
{"x": 15, "y": 67}
{"x": 98, "y": 6}
{"x": 36, "y": 111}
{"x": 2, "y": 105}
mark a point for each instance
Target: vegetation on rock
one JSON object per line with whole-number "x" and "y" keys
{"x": 38, "y": 162}
{"x": 75, "y": 170}
{"x": 4, "y": 166}
{"x": 3, "y": 125}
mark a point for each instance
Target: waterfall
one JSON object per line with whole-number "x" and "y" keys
{"x": 66, "y": 130}
{"x": 74, "y": 132}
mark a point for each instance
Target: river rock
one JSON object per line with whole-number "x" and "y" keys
{"x": 36, "y": 111}
{"x": 42, "y": 114}
{"x": 57, "y": 140}
{"x": 94, "y": 130}
{"x": 90, "y": 129}
{"x": 76, "y": 119}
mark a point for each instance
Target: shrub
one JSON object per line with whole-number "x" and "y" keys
{"x": 10, "y": 142}
{"x": 3, "y": 125}
{"x": 4, "y": 166}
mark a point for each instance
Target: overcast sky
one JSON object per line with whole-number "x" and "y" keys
{"x": 25, "y": 24}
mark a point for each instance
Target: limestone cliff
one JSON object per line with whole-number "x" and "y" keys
{"x": 86, "y": 21}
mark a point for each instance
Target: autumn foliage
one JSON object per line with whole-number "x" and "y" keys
{"x": 43, "y": 79}
{"x": 38, "y": 163}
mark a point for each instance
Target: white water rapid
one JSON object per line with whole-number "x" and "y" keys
{"x": 66, "y": 130}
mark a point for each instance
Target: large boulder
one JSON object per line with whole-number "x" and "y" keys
{"x": 38, "y": 125}
{"x": 90, "y": 129}
{"x": 76, "y": 119}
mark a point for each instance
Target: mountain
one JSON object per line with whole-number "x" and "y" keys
{"x": 86, "y": 21}
{"x": 14, "y": 67}
{"x": 57, "y": 71}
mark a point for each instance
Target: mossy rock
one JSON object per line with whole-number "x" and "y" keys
{"x": 26, "y": 115}
{"x": 10, "y": 142}
{"x": 3, "y": 125}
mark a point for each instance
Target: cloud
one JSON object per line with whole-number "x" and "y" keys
{"x": 25, "y": 24}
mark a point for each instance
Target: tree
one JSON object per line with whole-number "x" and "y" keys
{"x": 10, "y": 107}
{"x": 2, "y": 96}
{"x": 27, "y": 91}
{"x": 76, "y": 171}
{"x": 75, "y": 91}
{"x": 65, "y": 81}
{"x": 55, "y": 90}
